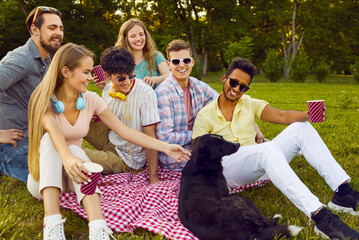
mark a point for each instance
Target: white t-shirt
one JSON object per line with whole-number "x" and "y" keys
{"x": 142, "y": 111}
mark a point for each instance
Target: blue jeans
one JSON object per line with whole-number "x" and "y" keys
{"x": 13, "y": 161}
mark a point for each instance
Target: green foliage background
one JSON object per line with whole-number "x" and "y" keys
{"x": 329, "y": 28}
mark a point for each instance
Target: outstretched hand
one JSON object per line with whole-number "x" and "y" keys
{"x": 178, "y": 153}
{"x": 11, "y": 135}
{"x": 75, "y": 169}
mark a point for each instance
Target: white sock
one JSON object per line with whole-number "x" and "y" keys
{"x": 98, "y": 223}
{"x": 52, "y": 219}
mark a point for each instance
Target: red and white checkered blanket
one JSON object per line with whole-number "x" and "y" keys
{"x": 128, "y": 202}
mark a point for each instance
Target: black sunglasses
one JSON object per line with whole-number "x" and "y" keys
{"x": 177, "y": 61}
{"x": 131, "y": 77}
{"x": 45, "y": 9}
{"x": 234, "y": 83}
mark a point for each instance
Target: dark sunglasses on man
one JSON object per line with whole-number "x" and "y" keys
{"x": 131, "y": 77}
{"x": 177, "y": 61}
{"x": 44, "y": 9}
{"x": 234, "y": 83}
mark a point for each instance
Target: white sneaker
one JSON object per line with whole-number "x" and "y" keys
{"x": 101, "y": 233}
{"x": 55, "y": 231}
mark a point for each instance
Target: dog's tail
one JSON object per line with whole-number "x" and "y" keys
{"x": 280, "y": 231}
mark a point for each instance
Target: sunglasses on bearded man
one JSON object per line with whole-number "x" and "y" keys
{"x": 234, "y": 83}
{"x": 45, "y": 9}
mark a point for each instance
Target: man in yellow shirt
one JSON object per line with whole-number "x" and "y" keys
{"x": 232, "y": 115}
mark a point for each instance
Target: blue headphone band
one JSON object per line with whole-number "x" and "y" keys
{"x": 59, "y": 107}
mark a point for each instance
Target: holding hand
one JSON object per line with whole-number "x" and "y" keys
{"x": 98, "y": 83}
{"x": 11, "y": 135}
{"x": 75, "y": 169}
{"x": 178, "y": 153}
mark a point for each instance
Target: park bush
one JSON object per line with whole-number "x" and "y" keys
{"x": 273, "y": 66}
{"x": 243, "y": 49}
{"x": 354, "y": 70}
{"x": 197, "y": 70}
{"x": 321, "y": 72}
{"x": 299, "y": 67}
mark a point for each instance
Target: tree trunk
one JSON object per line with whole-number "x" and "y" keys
{"x": 183, "y": 16}
{"x": 290, "y": 51}
{"x": 205, "y": 62}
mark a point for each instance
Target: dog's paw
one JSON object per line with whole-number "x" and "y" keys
{"x": 294, "y": 230}
{"x": 277, "y": 215}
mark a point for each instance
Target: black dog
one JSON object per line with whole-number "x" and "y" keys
{"x": 205, "y": 206}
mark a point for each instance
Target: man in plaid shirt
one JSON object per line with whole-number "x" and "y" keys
{"x": 180, "y": 97}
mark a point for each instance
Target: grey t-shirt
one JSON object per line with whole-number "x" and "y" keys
{"x": 21, "y": 70}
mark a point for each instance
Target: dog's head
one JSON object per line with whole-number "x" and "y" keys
{"x": 211, "y": 148}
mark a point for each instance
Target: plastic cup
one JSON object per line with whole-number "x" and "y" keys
{"x": 100, "y": 73}
{"x": 95, "y": 170}
{"x": 315, "y": 110}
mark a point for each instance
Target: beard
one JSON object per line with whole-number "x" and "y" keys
{"x": 48, "y": 47}
{"x": 225, "y": 95}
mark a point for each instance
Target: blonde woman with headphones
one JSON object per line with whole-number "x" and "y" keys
{"x": 60, "y": 111}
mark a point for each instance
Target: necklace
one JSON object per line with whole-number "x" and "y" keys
{"x": 143, "y": 64}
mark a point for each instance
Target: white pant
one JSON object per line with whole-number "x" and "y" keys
{"x": 251, "y": 163}
{"x": 51, "y": 170}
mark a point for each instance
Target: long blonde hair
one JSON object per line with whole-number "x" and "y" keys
{"x": 68, "y": 55}
{"x": 149, "y": 50}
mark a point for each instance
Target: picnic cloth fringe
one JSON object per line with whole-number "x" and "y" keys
{"x": 128, "y": 202}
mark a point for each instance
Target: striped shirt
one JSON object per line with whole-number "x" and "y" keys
{"x": 142, "y": 111}
{"x": 174, "y": 121}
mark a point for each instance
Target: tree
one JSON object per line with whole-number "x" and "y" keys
{"x": 243, "y": 48}
{"x": 92, "y": 23}
{"x": 13, "y": 32}
{"x": 291, "y": 46}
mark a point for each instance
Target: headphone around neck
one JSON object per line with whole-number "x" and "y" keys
{"x": 59, "y": 107}
{"x": 118, "y": 95}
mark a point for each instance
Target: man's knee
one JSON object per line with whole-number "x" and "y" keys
{"x": 300, "y": 126}
{"x": 15, "y": 156}
{"x": 270, "y": 153}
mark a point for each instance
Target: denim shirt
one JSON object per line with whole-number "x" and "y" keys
{"x": 21, "y": 70}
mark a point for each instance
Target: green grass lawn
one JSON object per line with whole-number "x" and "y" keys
{"x": 21, "y": 216}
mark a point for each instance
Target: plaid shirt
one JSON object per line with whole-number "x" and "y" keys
{"x": 174, "y": 121}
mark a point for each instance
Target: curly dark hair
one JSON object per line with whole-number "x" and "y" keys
{"x": 242, "y": 64}
{"x": 117, "y": 60}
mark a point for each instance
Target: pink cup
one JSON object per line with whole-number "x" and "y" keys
{"x": 100, "y": 73}
{"x": 315, "y": 110}
{"x": 95, "y": 170}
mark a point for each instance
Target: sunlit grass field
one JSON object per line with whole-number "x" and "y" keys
{"x": 21, "y": 216}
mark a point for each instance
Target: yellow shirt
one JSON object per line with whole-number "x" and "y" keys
{"x": 241, "y": 130}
